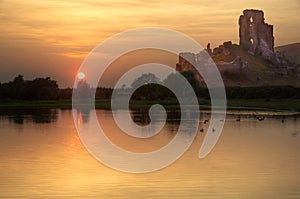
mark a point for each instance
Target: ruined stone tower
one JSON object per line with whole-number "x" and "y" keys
{"x": 256, "y": 36}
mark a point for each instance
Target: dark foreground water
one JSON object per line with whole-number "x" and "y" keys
{"x": 41, "y": 156}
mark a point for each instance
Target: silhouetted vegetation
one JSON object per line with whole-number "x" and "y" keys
{"x": 103, "y": 93}
{"x": 152, "y": 92}
{"x": 37, "y": 89}
{"x": 274, "y": 97}
{"x": 20, "y": 92}
{"x": 149, "y": 89}
{"x": 41, "y": 89}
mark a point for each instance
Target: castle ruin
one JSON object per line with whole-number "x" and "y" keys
{"x": 187, "y": 61}
{"x": 256, "y": 36}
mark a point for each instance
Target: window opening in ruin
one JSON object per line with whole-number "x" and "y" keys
{"x": 251, "y": 41}
{"x": 251, "y": 20}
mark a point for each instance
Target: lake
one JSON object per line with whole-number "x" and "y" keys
{"x": 41, "y": 156}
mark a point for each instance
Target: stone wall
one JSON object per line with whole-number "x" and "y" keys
{"x": 186, "y": 62}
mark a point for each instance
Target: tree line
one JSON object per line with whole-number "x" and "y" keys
{"x": 147, "y": 89}
{"x": 37, "y": 89}
{"x": 41, "y": 89}
{"x": 158, "y": 92}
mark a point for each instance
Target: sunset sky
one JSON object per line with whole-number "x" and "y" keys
{"x": 52, "y": 37}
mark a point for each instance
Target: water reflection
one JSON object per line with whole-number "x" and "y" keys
{"x": 20, "y": 116}
{"x": 141, "y": 116}
{"x": 83, "y": 114}
{"x": 253, "y": 159}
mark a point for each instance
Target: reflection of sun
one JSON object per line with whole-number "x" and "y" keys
{"x": 80, "y": 75}
{"x": 79, "y": 118}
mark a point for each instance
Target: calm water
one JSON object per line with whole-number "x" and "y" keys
{"x": 41, "y": 156}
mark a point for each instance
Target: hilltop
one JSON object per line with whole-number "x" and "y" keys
{"x": 240, "y": 68}
{"x": 254, "y": 61}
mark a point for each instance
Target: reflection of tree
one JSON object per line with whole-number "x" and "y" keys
{"x": 45, "y": 116}
{"x": 19, "y": 116}
{"x": 141, "y": 116}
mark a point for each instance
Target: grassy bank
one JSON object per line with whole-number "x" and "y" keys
{"x": 276, "y": 104}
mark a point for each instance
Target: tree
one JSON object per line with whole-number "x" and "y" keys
{"x": 41, "y": 89}
{"x": 149, "y": 87}
{"x": 175, "y": 82}
{"x": 18, "y": 85}
{"x": 148, "y": 78}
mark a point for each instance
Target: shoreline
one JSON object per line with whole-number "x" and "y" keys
{"x": 286, "y": 105}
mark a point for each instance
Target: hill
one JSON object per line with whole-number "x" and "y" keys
{"x": 254, "y": 62}
{"x": 291, "y": 51}
{"x": 238, "y": 67}
{"x": 241, "y": 68}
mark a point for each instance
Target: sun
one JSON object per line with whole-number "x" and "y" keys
{"x": 80, "y": 75}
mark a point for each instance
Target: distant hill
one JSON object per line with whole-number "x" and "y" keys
{"x": 292, "y": 51}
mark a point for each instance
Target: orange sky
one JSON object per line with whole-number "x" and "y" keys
{"x": 52, "y": 37}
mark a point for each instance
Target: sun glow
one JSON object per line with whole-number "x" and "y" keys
{"x": 80, "y": 75}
